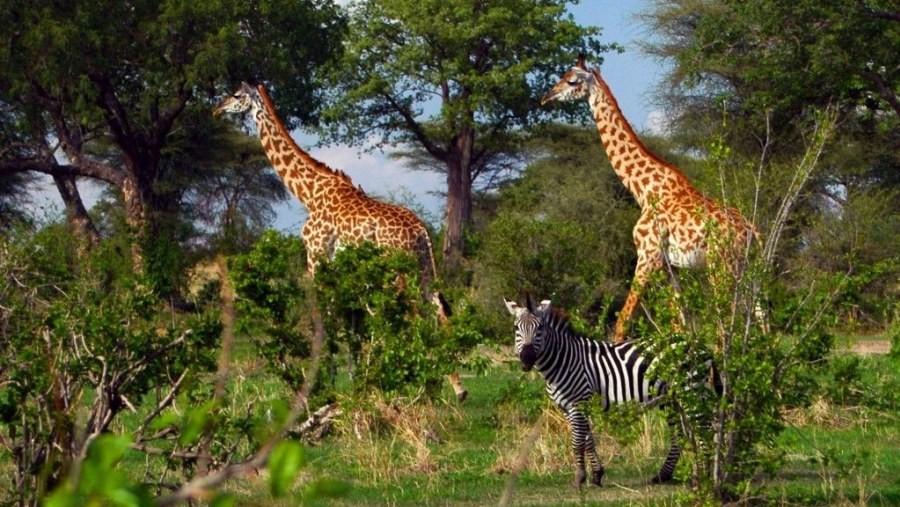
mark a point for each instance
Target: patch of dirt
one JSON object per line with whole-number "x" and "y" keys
{"x": 867, "y": 347}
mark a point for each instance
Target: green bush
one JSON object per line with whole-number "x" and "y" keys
{"x": 273, "y": 304}
{"x": 83, "y": 341}
{"x": 377, "y": 324}
{"x": 375, "y": 313}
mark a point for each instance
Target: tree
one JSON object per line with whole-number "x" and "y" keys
{"x": 480, "y": 66}
{"x": 11, "y": 185}
{"x": 764, "y": 55}
{"x": 769, "y": 64}
{"x": 766, "y": 68}
{"x": 562, "y": 228}
{"x": 107, "y": 89}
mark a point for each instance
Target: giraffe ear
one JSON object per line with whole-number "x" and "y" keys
{"x": 580, "y": 63}
{"x": 247, "y": 88}
{"x": 511, "y": 306}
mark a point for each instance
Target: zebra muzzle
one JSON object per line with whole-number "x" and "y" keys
{"x": 527, "y": 356}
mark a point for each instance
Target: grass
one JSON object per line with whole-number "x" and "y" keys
{"x": 447, "y": 454}
{"x": 833, "y": 455}
{"x": 472, "y": 466}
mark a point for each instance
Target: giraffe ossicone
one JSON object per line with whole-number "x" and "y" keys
{"x": 678, "y": 224}
{"x": 340, "y": 213}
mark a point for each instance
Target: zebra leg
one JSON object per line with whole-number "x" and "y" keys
{"x": 668, "y": 468}
{"x": 596, "y": 467}
{"x": 583, "y": 441}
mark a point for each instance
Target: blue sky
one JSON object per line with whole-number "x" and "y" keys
{"x": 631, "y": 76}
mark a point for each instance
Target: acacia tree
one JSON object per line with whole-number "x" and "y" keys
{"x": 451, "y": 77}
{"x": 108, "y": 89}
{"x": 770, "y": 63}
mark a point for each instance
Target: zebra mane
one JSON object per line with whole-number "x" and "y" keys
{"x": 559, "y": 319}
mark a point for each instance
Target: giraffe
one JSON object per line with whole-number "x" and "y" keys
{"x": 340, "y": 213}
{"x": 675, "y": 218}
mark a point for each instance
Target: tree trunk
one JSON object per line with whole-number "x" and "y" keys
{"x": 458, "y": 211}
{"x": 80, "y": 222}
{"x": 136, "y": 218}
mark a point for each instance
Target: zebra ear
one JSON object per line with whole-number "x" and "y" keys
{"x": 511, "y": 306}
{"x": 545, "y": 305}
{"x": 529, "y": 304}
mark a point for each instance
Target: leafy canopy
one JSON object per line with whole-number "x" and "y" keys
{"x": 458, "y": 62}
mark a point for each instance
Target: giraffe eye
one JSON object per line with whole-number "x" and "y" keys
{"x": 573, "y": 82}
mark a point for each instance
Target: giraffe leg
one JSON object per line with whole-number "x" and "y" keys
{"x": 649, "y": 259}
{"x": 583, "y": 441}
{"x": 634, "y": 295}
{"x": 318, "y": 240}
{"x": 641, "y": 273}
{"x": 461, "y": 392}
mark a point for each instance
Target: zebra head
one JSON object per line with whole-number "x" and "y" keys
{"x": 529, "y": 330}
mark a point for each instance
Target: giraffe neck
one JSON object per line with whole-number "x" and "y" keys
{"x": 644, "y": 174}
{"x": 307, "y": 178}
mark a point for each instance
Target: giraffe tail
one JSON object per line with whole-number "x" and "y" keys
{"x": 444, "y": 312}
{"x": 444, "y": 309}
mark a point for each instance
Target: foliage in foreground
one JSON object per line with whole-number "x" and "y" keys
{"x": 378, "y": 326}
{"x": 83, "y": 343}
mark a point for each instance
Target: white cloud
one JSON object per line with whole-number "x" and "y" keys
{"x": 377, "y": 174}
{"x": 657, "y": 123}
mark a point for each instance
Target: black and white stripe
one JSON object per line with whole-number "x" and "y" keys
{"x": 575, "y": 368}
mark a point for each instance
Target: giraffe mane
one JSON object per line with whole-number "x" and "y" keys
{"x": 629, "y": 130}
{"x": 267, "y": 101}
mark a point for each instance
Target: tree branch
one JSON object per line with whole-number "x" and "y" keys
{"x": 199, "y": 486}
{"x": 415, "y": 128}
{"x": 883, "y": 90}
{"x": 88, "y": 169}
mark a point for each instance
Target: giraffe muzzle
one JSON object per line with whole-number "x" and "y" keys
{"x": 548, "y": 97}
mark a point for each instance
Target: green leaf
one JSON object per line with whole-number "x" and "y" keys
{"x": 222, "y": 500}
{"x": 197, "y": 421}
{"x": 284, "y": 464}
{"x": 106, "y": 450}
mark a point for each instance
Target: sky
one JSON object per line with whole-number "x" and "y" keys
{"x": 631, "y": 76}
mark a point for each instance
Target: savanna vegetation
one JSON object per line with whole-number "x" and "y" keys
{"x": 164, "y": 346}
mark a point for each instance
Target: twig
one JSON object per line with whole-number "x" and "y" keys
{"x": 199, "y": 486}
{"x": 625, "y": 488}
{"x": 521, "y": 460}
{"x": 162, "y": 404}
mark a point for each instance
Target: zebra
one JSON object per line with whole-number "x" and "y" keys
{"x": 575, "y": 368}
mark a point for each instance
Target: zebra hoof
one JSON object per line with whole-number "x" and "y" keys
{"x": 580, "y": 478}
{"x": 661, "y": 479}
{"x": 462, "y": 395}
{"x": 596, "y": 477}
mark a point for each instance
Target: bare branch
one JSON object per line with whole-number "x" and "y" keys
{"x": 199, "y": 486}
{"x": 821, "y": 134}
{"x": 161, "y": 405}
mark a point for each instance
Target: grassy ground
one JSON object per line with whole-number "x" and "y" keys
{"x": 450, "y": 454}
{"x": 445, "y": 453}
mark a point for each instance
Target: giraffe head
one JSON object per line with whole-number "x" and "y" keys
{"x": 574, "y": 85}
{"x": 245, "y": 98}
{"x": 529, "y": 330}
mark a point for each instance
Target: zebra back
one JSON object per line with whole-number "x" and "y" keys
{"x": 575, "y": 366}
